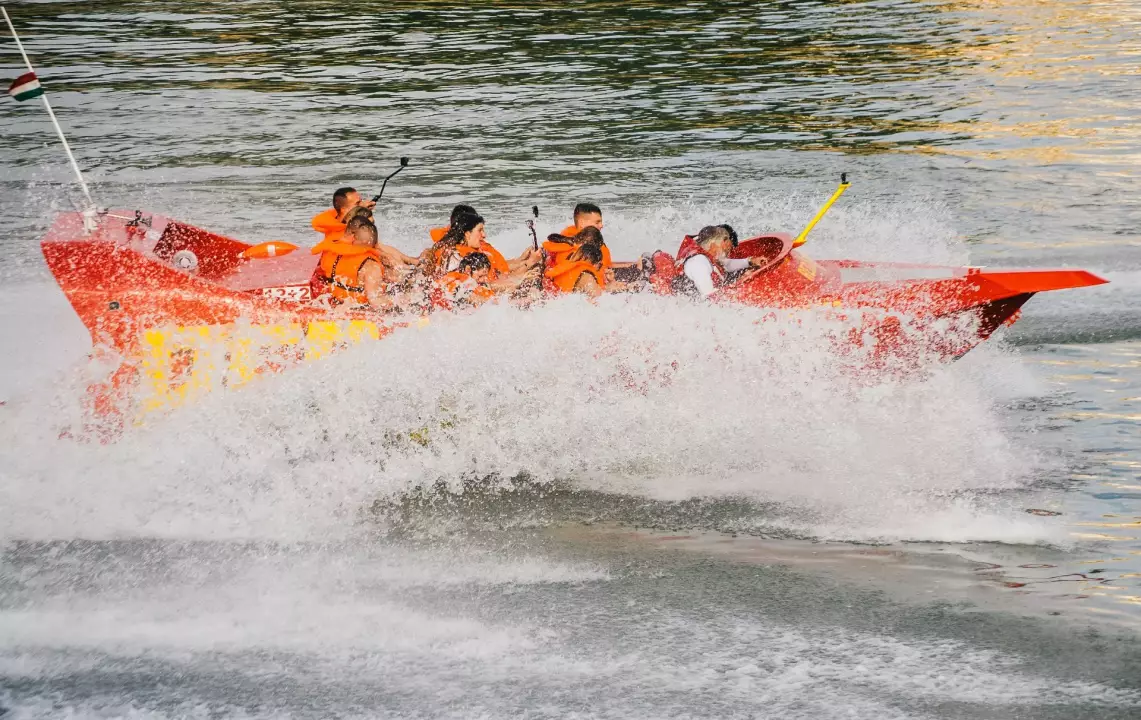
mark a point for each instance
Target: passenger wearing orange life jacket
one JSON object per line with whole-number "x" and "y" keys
{"x": 467, "y": 235}
{"x": 581, "y": 271}
{"x": 627, "y": 277}
{"x": 352, "y": 270}
{"x": 586, "y": 215}
{"x": 559, "y": 247}
{"x": 396, "y": 263}
{"x": 331, "y": 222}
{"x": 703, "y": 261}
{"x": 437, "y": 234}
{"x": 500, "y": 265}
{"x": 395, "y": 260}
{"x": 443, "y": 257}
{"x": 468, "y": 284}
{"x": 621, "y": 276}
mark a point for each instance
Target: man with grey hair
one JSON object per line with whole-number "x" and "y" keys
{"x": 704, "y": 260}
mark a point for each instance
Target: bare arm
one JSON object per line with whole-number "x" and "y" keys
{"x": 515, "y": 278}
{"x": 619, "y": 286}
{"x": 527, "y": 259}
{"x": 372, "y": 275}
{"x": 394, "y": 257}
{"x": 587, "y": 285}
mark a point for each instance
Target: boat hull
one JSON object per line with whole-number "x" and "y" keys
{"x": 161, "y": 296}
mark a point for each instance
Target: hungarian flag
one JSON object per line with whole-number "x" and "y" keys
{"x": 26, "y": 87}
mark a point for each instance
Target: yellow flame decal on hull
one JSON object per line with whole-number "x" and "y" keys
{"x": 183, "y": 362}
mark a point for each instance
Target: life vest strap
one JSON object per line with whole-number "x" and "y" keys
{"x": 337, "y": 283}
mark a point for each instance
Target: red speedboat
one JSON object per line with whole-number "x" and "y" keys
{"x": 187, "y": 310}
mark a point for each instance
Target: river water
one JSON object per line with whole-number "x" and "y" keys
{"x": 758, "y": 537}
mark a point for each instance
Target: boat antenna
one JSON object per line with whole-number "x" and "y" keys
{"x": 531, "y": 226}
{"x": 403, "y": 164}
{"x": 803, "y": 236}
{"x": 26, "y": 87}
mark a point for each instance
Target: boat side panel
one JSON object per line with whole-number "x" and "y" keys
{"x": 218, "y": 255}
{"x": 118, "y": 291}
{"x": 994, "y": 315}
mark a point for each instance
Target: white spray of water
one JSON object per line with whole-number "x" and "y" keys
{"x": 643, "y": 396}
{"x": 660, "y": 398}
{"x": 915, "y": 230}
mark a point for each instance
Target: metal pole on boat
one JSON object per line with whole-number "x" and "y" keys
{"x": 90, "y": 211}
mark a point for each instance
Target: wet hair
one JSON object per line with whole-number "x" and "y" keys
{"x": 460, "y": 210}
{"x": 589, "y": 236}
{"x": 368, "y": 230}
{"x": 589, "y": 252}
{"x": 341, "y": 197}
{"x": 356, "y": 216}
{"x": 710, "y": 233}
{"x": 461, "y": 225}
{"x": 586, "y": 209}
{"x": 732, "y": 233}
{"x": 473, "y": 262}
{"x": 356, "y": 222}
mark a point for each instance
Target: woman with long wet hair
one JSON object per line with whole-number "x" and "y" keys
{"x": 444, "y": 256}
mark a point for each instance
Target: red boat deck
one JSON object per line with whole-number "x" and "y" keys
{"x": 123, "y": 279}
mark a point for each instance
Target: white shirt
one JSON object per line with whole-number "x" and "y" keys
{"x": 700, "y": 271}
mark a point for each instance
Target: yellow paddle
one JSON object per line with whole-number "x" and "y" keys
{"x": 803, "y": 236}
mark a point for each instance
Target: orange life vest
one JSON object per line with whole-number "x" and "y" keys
{"x": 559, "y": 251}
{"x": 328, "y": 225}
{"x": 498, "y": 262}
{"x": 563, "y": 276}
{"x": 340, "y": 267}
{"x": 441, "y": 257}
{"x": 461, "y": 287}
{"x": 437, "y": 234}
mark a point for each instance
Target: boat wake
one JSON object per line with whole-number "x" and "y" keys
{"x": 634, "y": 410}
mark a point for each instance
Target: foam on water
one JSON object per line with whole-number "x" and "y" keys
{"x": 197, "y": 598}
{"x": 658, "y": 398}
{"x": 337, "y": 647}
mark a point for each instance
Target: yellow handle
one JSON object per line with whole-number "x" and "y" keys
{"x": 803, "y": 236}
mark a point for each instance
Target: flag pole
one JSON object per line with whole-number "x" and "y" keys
{"x": 89, "y": 212}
